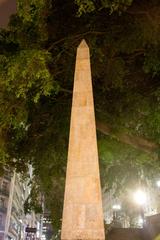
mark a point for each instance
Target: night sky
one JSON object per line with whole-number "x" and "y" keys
{"x": 7, "y": 7}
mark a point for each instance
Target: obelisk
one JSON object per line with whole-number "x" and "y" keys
{"x": 82, "y": 210}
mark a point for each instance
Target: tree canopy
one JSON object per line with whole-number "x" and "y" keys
{"x": 37, "y": 57}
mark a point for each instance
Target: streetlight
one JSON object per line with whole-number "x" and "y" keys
{"x": 140, "y": 197}
{"x": 158, "y": 183}
{"x": 116, "y": 208}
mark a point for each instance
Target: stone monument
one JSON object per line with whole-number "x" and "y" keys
{"x": 82, "y": 211}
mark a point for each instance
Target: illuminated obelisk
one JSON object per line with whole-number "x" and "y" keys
{"x": 82, "y": 211}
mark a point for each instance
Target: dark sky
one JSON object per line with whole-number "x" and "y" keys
{"x": 7, "y": 7}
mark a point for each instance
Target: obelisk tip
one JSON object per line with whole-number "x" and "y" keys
{"x": 83, "y": 44}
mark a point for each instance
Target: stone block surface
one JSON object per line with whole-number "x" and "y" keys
{"x": 82, "y": 212}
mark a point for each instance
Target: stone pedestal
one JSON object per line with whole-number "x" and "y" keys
{"x": 82, "y": 212}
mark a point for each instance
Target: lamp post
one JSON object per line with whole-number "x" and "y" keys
{"x": 116, "y": 208}
{"x": 141, "y": 199}
{"x": 20, "y": 229}
{"x": 158, "y": 194}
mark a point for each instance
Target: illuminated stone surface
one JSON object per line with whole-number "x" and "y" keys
{"x": 82, "y": 213}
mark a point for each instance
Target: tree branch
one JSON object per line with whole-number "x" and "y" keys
{"x": 136, "y": 142}
{"x": 74, "y": 36}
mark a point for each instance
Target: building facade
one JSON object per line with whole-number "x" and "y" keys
{"x": 13, "y": 221}
{"x": 5, "y": 185}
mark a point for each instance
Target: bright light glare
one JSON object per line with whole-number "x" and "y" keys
{"x": 140, "y": 197}
{"x": 116, "y": 207}
{"x": 140, "y": 221}
{"x": 158, "y": 183}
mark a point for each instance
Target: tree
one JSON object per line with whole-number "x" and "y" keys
{"x": 37, "y": 56}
